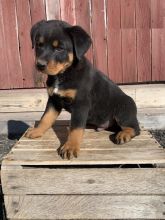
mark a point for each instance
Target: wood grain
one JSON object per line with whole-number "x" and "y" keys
{"x": 37, "y": 13}
{"x": 26, "y": 54}
{"x": 87, "y": 157}
{"x": 113, "y": 14}
{"x": 53, "y": 9}
{"x": 37, "y": 9}
{"x": 4, "y": 81}
{"x": 94, "y": 181}
{"x": 143, "y": 14}
{"x": 34, "y": 100}
{"x": 144, "y": 54}
{"x": 157, "y": 14}
{"x": 99, "y": 35}
{"x": 85, "y": 207}
{"x": 114, "y": 55}
{"x": 83, "y": 18}
{"x": 68, "y": 11}
{"x": 129, "y": 55}
{"x": 128, "y": 10}
{"x": 12, "y": 44}
{"x": 158, "y": 53}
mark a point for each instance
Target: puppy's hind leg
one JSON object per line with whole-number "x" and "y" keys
{"x": 127, "y": 120}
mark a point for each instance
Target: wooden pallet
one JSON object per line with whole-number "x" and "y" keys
{"x": 38, "y": 184}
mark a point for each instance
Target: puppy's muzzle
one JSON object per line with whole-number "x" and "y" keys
{"x": 41, "y": 64}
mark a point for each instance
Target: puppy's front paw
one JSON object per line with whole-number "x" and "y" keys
{"x": 68, "y": 151}
{"x": 34, "y": 133}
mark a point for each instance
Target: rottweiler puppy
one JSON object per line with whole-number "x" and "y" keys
{"x": 74, "y": 85}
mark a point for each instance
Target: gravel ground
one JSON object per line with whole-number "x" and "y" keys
{"x": 159, "y": 135}
{"x": 6, "y": 144}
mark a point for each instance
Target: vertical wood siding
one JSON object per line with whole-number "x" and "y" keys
{"x": 128, "y": 38}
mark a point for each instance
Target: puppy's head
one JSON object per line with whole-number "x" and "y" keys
{"x": 57, "y": 44}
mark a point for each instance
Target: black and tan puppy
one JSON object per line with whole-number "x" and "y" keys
{"x": 74, "y": 85}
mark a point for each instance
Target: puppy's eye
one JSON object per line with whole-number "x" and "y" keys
{"x": 40, "y": 44}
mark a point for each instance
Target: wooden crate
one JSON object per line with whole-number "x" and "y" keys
{"x": 38, "y": 184}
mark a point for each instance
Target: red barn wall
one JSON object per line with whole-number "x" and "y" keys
{"x": 128, "y": 38}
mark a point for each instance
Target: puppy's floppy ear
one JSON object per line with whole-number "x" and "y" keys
{"x": 81, "y": 40}
{"x": 34, "y": 31}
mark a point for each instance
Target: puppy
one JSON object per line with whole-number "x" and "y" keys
{"x": 74, "y": 85}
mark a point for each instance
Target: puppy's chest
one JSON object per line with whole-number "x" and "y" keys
{"x": 57, "y": 89}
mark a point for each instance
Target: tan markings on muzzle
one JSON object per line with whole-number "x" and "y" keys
{"x": 54, "y": 67}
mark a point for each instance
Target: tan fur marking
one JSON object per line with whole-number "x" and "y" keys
{"x": 55, "y": 43}
{"x": 53, "y": 67}
{"x": 45, "y": 123}
{"x": 72, "y": 146}
{"x": 48, "y": 119}
{"x": 125, "y": 135}
{"x": 71, "y": 56}
{"x": 69, "y": 93}
{"x": 75, "y": 136}
{"x": 129, "y": 130}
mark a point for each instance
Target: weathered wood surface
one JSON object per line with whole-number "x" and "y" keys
{"x": 35, "y": 187}
{"x": 145, "y": 96}
{"x": 93, "y": 150}
{"x": 32, "y": 181}
{"x": 85, "y": 207}
{"x": 149, "y": 118}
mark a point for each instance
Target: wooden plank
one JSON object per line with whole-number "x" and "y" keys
{"x": 114, "y": 40}
{"x": 157, "y": 13}
{"x": 85, "y": 207}
{"x": 87, "y": 157}
{"x": 129, "y": 55}
{"x": 95, "y": 181}
{"x": 26, "y": 55}
{"x": 37, "y": 12}
{"x": 158, "y": 53}
{"x": 27, "y": 100}
{"x": 16, "y": 100}
{"x": 144, "y": 54}
{"x": 114, "y": 55}
{"x": 113, "y": 14}
{"x": 158, "y": 101}
{"x": 11, "y": 35}
{"x": 87, "y": 144}
{"x": 4, "y": 76}
{"x": 83, "y": 18}
{"x": 52, "y": 9}
{"x": 143, "y": 25}
{"x": 89, "y": 134}
{"x": 37, "y": 9}
{"x": 68, "y": 11}
{"x": 143, "y": 14}
{"x": 128, "y": 9}
{"x": 149, "y": 121}
{"x": 99, "y": 39}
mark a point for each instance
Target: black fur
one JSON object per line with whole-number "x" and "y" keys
{"x": 99, "y": 101}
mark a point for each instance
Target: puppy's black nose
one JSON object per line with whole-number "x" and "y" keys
{"x": 41, "y": 64}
